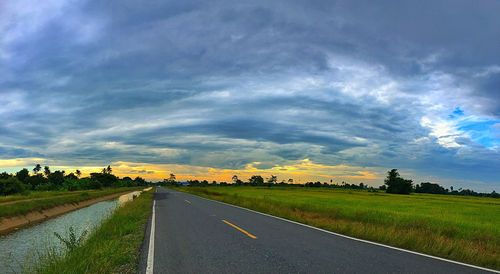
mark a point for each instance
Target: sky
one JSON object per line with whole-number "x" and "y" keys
{"x": 310, "y": 90}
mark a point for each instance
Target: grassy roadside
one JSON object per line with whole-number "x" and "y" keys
{"x": 112, "y": 248}
{"x": 465, "y": 229}
{"x": 45, "y": 202}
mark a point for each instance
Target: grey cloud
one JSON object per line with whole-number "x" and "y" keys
{"x": 160, "y": 64}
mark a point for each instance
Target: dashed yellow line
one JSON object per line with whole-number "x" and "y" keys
{"x": 240, "y": 229}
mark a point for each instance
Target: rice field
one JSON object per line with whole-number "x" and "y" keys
{"x": 461, "y": 228}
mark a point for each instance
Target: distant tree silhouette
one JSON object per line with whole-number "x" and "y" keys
{"x": 430, "y": 188}
{"x": 46, "y": 171}
{"x": 140, "y": 181}
{"x": 37, "y": 168}
{"x": 78, "y": 173}
{"x": 272, "y": 180}
{"x": 36, "y": 181}
{"x": 236, "y": 180}
{"x": 71, "y": 176}
{"x": 56, "y": 178}
{"x": 5, "y": 175}
{"x": 22, "y": 175}
{"x": 256, "y": 180}
{"x": 397, "y": 185}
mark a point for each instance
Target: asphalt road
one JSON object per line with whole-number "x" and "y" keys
{"x": 195, "y": 235}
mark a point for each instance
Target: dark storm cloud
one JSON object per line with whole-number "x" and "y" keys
{"x": 224, "y": 84}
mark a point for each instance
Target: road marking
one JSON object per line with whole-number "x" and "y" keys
{"x": 151, "y": 251}
{"x": 351, "y": 238}
{"x": 240, "y": 229}
{"x": 187, "y": 201}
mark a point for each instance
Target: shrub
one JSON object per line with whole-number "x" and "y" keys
{"x": 11, "y": 186}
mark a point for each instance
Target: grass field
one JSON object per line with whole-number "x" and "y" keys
{"x": 465, "y": 229}
{"x": 112, "y": 248}
{"x": 22, "y": 204}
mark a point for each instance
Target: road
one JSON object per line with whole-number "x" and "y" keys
{"x": 196, "y": 235}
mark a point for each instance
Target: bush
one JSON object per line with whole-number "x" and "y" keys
{"x": 11, "y": 186}
{"x": 430, "y": 188}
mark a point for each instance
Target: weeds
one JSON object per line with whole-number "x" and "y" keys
{"x": 72, "y": 241}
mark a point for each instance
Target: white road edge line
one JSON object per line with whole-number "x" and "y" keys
{"x": 352, "y": 238}
{"x": 151, "y": 250}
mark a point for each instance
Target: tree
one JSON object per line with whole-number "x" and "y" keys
{"x": 140, "y": 181}
{"x": 104, "y": 179}
{"x": 5, "y": 175}
{"x": 172, "y": 177}
{"x": 235, "y": 178}
{"x": 57, "y": 178}
{"x": 430, "y": 188}
{"x": 256, "y": 180}
{"x": 22, "y": 175}
{"x": 71, "y": 176}
{"x": 396, "y": 184}
{"x": 290, "y": 181}
{"x": 10, "y": 186}
{"x": 109, "y": 169}
{"x": 37, "y": 168}
{"x": 36, "y": 181}
{"x": 46, "y": 171}
{"x": 78, "y": 173}
{"x": 272, "y": 180}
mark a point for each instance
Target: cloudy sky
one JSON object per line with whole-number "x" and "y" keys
{"x": 310, "y": 90}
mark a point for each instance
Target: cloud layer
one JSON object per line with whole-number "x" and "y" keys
{"x": 225, "y": 85}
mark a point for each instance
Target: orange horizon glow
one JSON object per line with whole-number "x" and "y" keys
{"x": 301, "y": 171}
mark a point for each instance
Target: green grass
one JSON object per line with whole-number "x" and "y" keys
{"x": 112, "y": 248}
{"x": 50, "y": 199}
{"x": 465, "y": 229}
{"x": 37, "y": 195}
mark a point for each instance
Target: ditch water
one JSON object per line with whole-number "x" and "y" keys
{"x": 19, "y": 250}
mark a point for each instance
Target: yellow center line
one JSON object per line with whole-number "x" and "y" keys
{"x": 240, "y": 229}
{"x": 187, "y": 201}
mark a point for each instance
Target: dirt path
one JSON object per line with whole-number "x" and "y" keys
{"x": 36, "y": 199}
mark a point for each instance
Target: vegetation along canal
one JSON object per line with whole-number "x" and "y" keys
{"x": 21, "y": 249}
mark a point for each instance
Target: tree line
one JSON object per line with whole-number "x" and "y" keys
{"x": 44, "y": 179}
{"x": 393, "y": 183}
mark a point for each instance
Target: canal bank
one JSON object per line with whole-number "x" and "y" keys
{"x": 24, "y": 249}
{"x": 10, "y": 224}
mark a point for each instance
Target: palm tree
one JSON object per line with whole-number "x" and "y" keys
{"x": 46, "y": 171}
{"x": 37, "y": 168}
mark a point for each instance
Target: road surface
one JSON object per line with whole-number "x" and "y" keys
{"x": 196, "y": 235}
